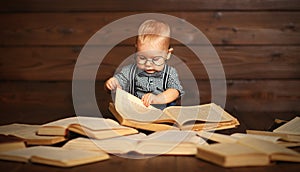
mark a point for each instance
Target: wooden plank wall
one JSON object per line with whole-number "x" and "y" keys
{"x": 257, "y": 41}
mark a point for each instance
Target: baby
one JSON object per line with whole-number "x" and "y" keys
{"x": 150, "y": 78}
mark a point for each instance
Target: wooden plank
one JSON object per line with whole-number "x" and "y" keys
{"x": 239, "y": 62}
{"x": 144, "y": 6}
{"x": 252, "y": 96}
{"x": 177, "y": 163}
{"x": 263, "y": 121}
{"x": 25, "y": 102}
{"x": 221, "y": 28}
{"x": 31, "y": 101}
{"x": 268, "y": 62}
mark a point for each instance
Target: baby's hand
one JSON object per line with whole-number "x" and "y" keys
{"x": 112, "y": 84}
{"x": 148, "y": 99}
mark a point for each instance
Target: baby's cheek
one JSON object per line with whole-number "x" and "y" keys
{"x": 159, "y": 68}
{"x": 142, "y": 67}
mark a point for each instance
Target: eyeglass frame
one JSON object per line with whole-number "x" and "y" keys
{"x": 151, "y": 60}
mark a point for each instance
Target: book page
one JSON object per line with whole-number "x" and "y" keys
{"x": 94, "y": 123}
{"x": 22, "y": 155}
{"x": 9, "y": 142}
{"x": 80, "y": 123}
{"x": 82, "y": 143}
{"x": 65, "y": 158}
{"x": 64, "y": 123}
{"x": 283, "y": 136}
{"x": 221, "y": 138}
{"x": 120, "y": 145}
{"x": 273, "y": 139}
{"x": 117, "y": 145}
{"x": 170, "y": 142}
{"x": 291, "y": 127}
{"x": 18, "y": 129}
{"x": 53, "y": 156}
{"x": 174, "y": 136}
{"x": 206, "y": 113}
{"x": 266, "y": 146}
{"x": 9, "y": 139}
{"x": 131, "y": 107}
{"x": 229, "y": 149}
{"x": 28, "y": 132}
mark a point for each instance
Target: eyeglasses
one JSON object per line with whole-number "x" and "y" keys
{"x": 157, "y": 60}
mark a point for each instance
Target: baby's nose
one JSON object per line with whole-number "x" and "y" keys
{"x": 148, "y": 63}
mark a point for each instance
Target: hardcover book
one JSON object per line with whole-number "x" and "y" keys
{"x": 246, "y": 152}
{"x": 53, "y": 156}
{"x": 28, "y": 132}
{"x": 130, "y": 111}
{"x": 94, "y": 127}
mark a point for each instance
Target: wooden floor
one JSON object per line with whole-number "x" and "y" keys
{"x": 169, "y": 163}
{"x": 160, "y": 163}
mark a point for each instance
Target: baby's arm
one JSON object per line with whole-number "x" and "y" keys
{"x": 112, "y": 84}
{"x": 165, "y": 97}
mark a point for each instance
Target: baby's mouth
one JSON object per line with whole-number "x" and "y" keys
{"x": 150, "y": 71}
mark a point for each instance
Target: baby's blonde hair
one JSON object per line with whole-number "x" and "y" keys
{"x": 154, "y": 33}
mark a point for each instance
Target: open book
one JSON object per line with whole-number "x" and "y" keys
{"x": 222, "y": 138}
{"x": 53, "y": 156}
{"x": 172, "y": 142}
{"x": 286, "y": 137}
{"x": 10, "y": 143}
{"x": 292, "y": 127}
{"x": 28, "y": 134}
{"x": 98, "y": 128}
{"x": 290, "y": 131}
{"x": 246, "y": 152}
{"x": 130, "y": 111}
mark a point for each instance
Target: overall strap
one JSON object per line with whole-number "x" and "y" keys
{"x": 166, "y": 77}
{"x": 131, "y": 79}
{"x": 165, "y": 83}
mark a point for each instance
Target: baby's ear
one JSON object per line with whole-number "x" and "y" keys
{"x": 169, "y": 53}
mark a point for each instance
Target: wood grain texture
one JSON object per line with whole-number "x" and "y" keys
{"x": 221, "y": 28}
{"x": 32, "y": 101}
{"x": 57, "y": 63}
{"x": 145, "y": 6}
{"x": 174, "y": 163}
{"x": 257, "y": 42}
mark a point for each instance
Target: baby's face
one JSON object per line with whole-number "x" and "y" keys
{"x": 150, "y": 59}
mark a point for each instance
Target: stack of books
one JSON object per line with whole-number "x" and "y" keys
{"x": 96, "y": 139}
{"x": 177, "y": 130}
{"x": 36, "y": 143}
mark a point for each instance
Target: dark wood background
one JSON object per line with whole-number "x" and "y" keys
{"x": 257, "y": 41}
